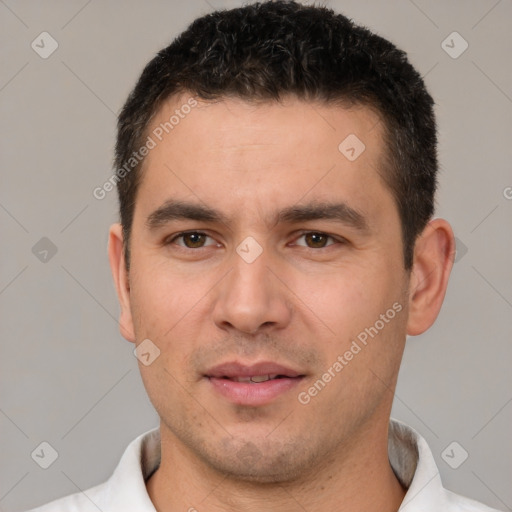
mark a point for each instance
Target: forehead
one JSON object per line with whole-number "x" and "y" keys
{"x": 234, "y": 154}
{"x": 233, "y": 119}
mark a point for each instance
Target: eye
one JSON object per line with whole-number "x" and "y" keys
{"x": 191, "y": 240}
{"x": 315, "y": 240}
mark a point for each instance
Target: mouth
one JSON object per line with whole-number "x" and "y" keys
{"x": 256, "y": 379}
{"x": 252, "y": 385}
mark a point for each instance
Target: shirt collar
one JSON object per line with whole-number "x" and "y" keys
{"x": 126, "y": 488}
{"x": 415, "y": 467}
{"x": 409, "y": 456}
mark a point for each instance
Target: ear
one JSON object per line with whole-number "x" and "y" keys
{"x": 120, "y": 275}
{"x": 434, "y": 254}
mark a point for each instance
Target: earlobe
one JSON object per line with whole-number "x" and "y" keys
{"x": 120, "y": 276}
{"x": 433, "y": 260}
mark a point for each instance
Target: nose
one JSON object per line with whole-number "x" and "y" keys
{"x": 251, "y": 298}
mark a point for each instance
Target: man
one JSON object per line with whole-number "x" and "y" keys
{"x": 276, "y": 169}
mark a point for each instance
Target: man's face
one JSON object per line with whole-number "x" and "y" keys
{"x": 267, "y": 283}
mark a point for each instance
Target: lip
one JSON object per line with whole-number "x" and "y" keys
{"x": 235, "y": 369}
{"x": 252, "y": 393}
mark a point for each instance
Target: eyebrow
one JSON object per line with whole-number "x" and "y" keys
{"x": 340, "y": 212}
{"x": 183, "y": 210}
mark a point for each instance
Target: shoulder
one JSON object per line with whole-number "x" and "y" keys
{"x": 91, "y": 500}
{"x": 415, "y": 467}
{"x": 460, "y": 503}
{"x": 125, "y": 490}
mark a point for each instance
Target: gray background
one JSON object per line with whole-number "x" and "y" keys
{"x": 68, "y": 377}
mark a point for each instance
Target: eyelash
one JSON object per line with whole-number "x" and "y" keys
{"x": 302, "y": 234}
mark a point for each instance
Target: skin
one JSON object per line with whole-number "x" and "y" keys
{"x": 301, "y": 303}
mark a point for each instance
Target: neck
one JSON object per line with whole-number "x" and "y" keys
{"x": 356, "y": 478}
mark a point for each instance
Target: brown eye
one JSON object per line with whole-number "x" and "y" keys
{"x": 316, "y": 240}
{"x": 192, "y": 240}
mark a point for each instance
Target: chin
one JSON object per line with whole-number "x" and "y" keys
{"x": 262, "y": 463}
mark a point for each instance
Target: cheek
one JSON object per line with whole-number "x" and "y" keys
{"x": 344, "y": 299}
{"x": 161, "y": 297}
{"x": 170, "y": 310}
{"x": 363, "y": 304}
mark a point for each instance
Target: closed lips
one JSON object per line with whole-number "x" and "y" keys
{"x": 257, "y": 378}
{"x": 255, "y": 373}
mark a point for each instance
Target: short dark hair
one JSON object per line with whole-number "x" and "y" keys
{"x": 269, "y": 50}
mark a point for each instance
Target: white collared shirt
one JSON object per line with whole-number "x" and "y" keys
{"x": 409, "y": 455}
